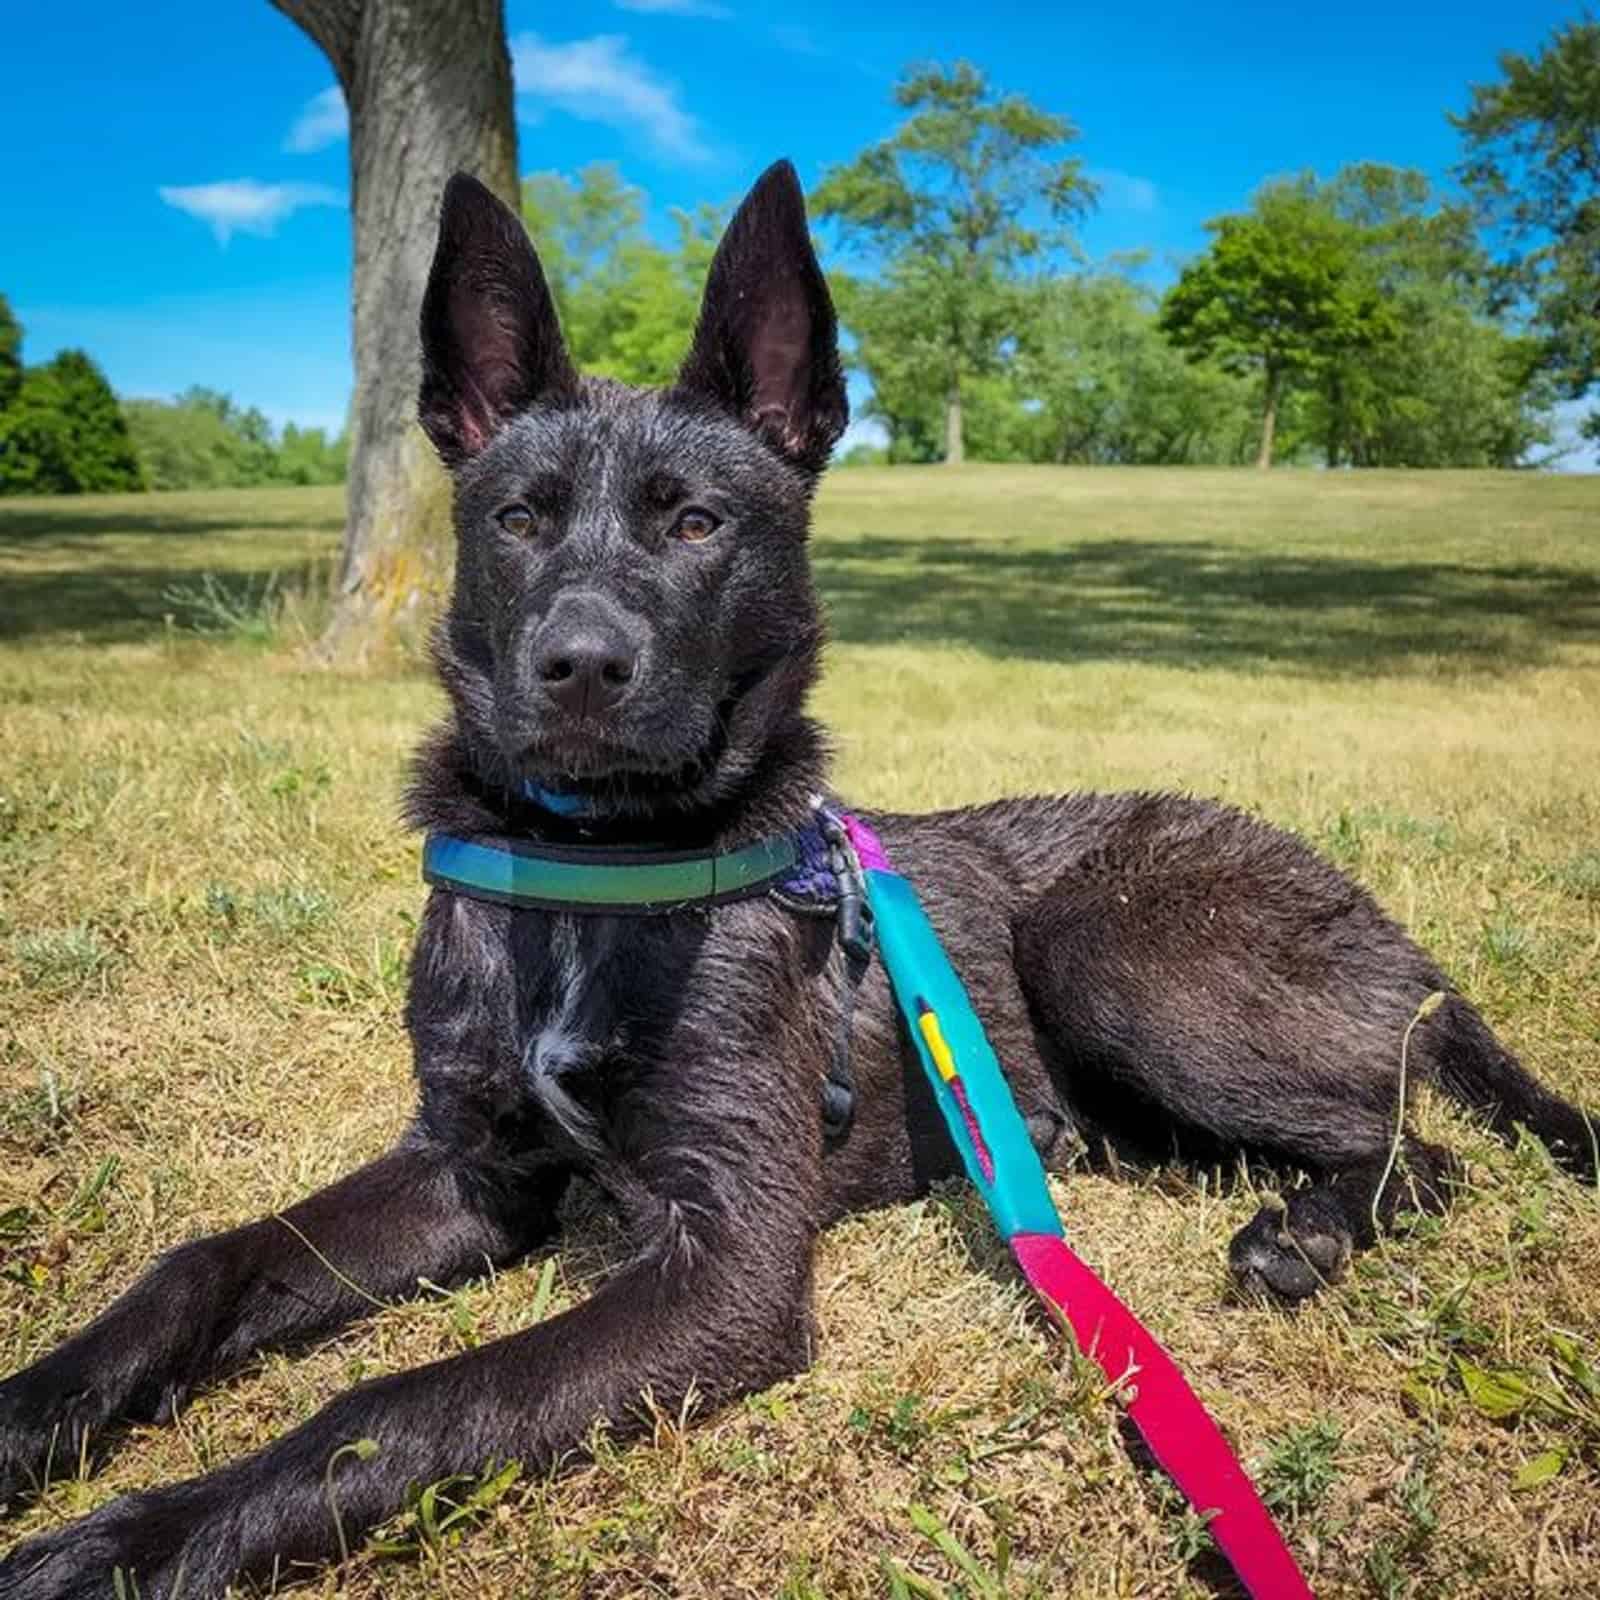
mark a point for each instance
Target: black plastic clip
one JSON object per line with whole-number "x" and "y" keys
{"x": 856, "y": 938}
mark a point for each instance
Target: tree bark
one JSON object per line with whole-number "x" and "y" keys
{"x": 955, "y": 444}
{"x": 1269, "y": 415}
{"x": 428, "y": 86}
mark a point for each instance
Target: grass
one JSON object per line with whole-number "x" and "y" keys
{"x": 206, "y": 905}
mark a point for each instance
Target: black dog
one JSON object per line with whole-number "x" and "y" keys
{"x": 634, "y": 630}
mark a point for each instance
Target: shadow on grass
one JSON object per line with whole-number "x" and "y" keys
{"x": 84, "y": 522}
{"x": 77, "y": 566}
{"x": 116, "y": 604}
{"x": 1203, "y": 604}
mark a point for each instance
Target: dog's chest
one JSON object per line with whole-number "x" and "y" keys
{"x": 573, "y": 1023}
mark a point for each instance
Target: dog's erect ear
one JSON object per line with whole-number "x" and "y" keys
{"x": 491, "y": 345}
{"x": 766, "y": 346}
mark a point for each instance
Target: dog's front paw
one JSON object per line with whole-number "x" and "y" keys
{"x": 1292, "y": 1251}
{"x": 44, "y": 1434}
{"x": 147, "y": 1545}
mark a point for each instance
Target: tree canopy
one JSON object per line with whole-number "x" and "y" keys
{"x": 1105, "y": 386}
{"x": 1532, "y": 165}
{"x": 1281, "y": 293}
{"x": 63, "y": 432}
{"x": 1448, "y": 384}
{"x": 1365, "y": 302}
{"x": 969, "y": 191}
{"x": 627, "y": 304}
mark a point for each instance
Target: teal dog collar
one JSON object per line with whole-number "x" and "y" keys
{"x": 596, "y": 878}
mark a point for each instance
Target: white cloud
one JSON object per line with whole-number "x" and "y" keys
{"x": 674, "y": 8}
{"x": 242, "y": 205}
{"x": 598, "y": 81}
{"x": 322, "y": 121}
{"x": 1122, "y": 191}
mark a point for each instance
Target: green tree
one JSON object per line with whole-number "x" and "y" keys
{"x": 966, "y": 195}
{"x": 1450, "y": 390}
{"x": 246, "y": 438}
{"x": 64, "y": 433}
{"x": 308, "y": 455}
{"x": 894, "y": 342}
{"x": 1450, "y": 386}
{"x": 660, "y": 301}
{"x": 1281, "y": 292}
{"x": 627, "y": 304}
{"x": 202, "y": 440}
{"x": 10, "y": 354}
{"x": 580, "y": 227}
{"x": 180, "y": 447}
{"x": 35, "y": 442}
{"x": 1532, "y": 164}
{"x": 1106, "y": 387}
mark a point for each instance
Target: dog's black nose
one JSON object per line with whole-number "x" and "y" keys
{"x": 588, "y": 671}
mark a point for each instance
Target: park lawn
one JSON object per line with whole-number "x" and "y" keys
{"x": 206, "y": 904}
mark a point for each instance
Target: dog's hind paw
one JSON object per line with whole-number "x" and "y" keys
{"x": 1291, "y": 1252}
{"x": 1055, "y": 1137}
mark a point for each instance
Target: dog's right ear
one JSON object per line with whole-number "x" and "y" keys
{"x": 491, "y": 344}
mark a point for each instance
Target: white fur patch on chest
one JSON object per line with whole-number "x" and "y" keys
{"x": 558, "y": 1047}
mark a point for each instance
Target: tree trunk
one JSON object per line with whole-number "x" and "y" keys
{"x": 1269, "y": 416}
{"x": 955, "y": 444}
{"x": 428, "y": 86}
{"x": 1336, "y": 428}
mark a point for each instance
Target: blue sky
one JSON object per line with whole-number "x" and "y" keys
{"x": 174, "y": 197}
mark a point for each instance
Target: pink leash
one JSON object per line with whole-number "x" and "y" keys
{"x": 1168, "y": 1414}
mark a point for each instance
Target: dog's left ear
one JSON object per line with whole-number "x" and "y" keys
{"x": 766, "y": 345}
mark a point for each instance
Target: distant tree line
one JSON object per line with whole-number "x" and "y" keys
{"x": 63, "y": 431}
{"x": 1360, "y": 310}
{"x": 202, "y": 440}
{"x": 1358, "y": 320}
{"x": 1350, "y": 321}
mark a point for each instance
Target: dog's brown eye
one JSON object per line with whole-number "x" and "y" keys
{"x": 695, "y": 524}
{"x": 516, "y": 520}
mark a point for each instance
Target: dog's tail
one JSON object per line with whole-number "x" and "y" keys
{"x": 1465, "y": 1059}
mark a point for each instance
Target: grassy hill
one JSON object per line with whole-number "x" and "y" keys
{"x": 206, "y": 905}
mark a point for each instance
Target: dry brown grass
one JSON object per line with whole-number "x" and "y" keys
{"x": 206, "y": 903}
